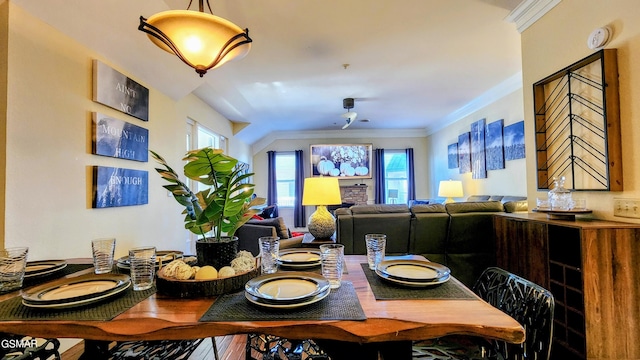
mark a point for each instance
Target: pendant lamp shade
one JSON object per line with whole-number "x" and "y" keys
{"x": 202, "y": 41}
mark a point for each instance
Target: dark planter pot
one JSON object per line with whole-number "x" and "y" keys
{"x": 216, "y": 254}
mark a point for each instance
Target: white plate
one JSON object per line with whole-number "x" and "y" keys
{"x": 412, "y": 283}
{"x": 76, "y": 289}
{"x": 82, "y": 302}
{"x": 281, "y": 288}
{"x": 413, "y": 270}
{"x": 166, "y": 256}
{"x": 43, "y": 267}
{"x": 299, "y": 256}
{"x": 260, "y": 302}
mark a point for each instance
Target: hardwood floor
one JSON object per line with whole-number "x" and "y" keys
{"x": 230, "y": 347}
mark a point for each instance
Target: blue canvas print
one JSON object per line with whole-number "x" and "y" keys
{"x": 114, "y": 187}
{"x": 464, "y": 153}
{"x": 452, "y": 158}
{"x": 478, "y": 160}
{"x": 514, "y": 141}
{"x": 119, "y": 139}
{"x": 494, "y": 148}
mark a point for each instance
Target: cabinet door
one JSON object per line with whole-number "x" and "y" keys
{"x": 522, "y": 248}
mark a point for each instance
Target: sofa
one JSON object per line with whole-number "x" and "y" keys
{"x": 249, "y": 233}
{"x": 458, "y": 235}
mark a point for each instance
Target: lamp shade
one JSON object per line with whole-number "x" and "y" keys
{"x": 321, "y": 191}
{"x": 203, "y": 41}
{"x": 450, "y": 189}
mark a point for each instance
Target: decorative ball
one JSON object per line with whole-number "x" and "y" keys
{"x": 207, "y": 272}
{"x": 226, "y": 271}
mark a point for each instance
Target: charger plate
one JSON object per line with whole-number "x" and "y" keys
{"x": 299, "y": 259}
{"x": 286, "y": 288}
{"x": 413, "y": 270}
{"x": 414, "y": 273}
{"x": 261, "y": 302}
{"x": 76, "y": 291}
{"x": 43, "y": 267}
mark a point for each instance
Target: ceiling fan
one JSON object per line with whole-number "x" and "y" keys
{"x": 350, "y": 116}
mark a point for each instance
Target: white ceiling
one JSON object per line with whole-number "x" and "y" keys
{"x": 413, "y": 64}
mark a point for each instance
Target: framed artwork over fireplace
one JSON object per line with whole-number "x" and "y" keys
{"x": 345, "y": 161}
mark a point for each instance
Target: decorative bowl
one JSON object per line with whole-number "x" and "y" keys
{"x": 201, "y": 288}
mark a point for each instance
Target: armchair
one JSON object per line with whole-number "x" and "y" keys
{"x": 249, "y": 233}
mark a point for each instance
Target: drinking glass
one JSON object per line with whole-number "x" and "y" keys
{"x": 13, "y": 261}
{"x": 376, "y": 244}
{"x": 269, "y": 248}
{"x": 143, "y": 265}
{"x": 332, "y": 256}
{"x": 103, "y": 250}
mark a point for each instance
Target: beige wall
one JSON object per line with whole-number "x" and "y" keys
{"x": 559, "y": 39}
{"x": 4, "y": 33}
{"x": 508, "y": 181}
{"x": 48, "y": 150}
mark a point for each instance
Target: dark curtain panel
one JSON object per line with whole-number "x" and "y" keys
{"x": 299, "y": 218}
{"x": 379, "y": 184}
{"x": 272, "y": 188}
{"x": 411, "y": 178}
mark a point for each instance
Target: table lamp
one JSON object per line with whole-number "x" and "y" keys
{"x": 321, "y": 191}
{"x": 450, "y": 189}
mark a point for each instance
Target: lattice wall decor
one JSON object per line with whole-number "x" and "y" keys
{"x": 577, "y": 125}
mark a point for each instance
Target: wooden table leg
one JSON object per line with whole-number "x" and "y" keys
{"x": 95, "y": 350}
{"x": 341, "y": 350}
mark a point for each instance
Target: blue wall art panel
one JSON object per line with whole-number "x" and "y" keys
{"x": 114, "y": 187}
{"x": 494, "y": 148}
{"x": 119, "y": 139}
{"x": 117, "y": 91}
{"x": 452, "y": 158}
{"x": 464, "y": 153}
{"x": 514, "y": 141}
{"x": 478, "y": 160}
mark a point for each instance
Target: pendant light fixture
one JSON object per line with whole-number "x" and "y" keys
{"x": 202, "y": 41}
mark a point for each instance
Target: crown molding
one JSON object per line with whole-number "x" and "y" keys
{"x": 529, "y": 11}
{"x": 334, "y": 134}
{"x": 511, "y": 84}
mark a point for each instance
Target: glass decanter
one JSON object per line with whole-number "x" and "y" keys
{"x": 559, "y": 197}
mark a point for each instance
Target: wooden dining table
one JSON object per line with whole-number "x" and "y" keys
{"x": 161, "y": 317}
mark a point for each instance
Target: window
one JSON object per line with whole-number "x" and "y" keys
{"x": 395, "y": 177}
{"x": 286, "y": 178}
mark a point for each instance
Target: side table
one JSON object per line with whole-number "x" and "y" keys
{"x": 310, "y": 241}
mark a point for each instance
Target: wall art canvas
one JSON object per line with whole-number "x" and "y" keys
{"x": 119, "y": 139}
{"x": 117, "y": 91}
{"x": 494, "y": 149}
{"x": 113, "y": 187}
{"x": 346, "y": 161}
{"x": 514, "y": 141}
{"x": 464, "y": 153}
{"x": 478, "y": 160}
{"x": 452, "y": 158}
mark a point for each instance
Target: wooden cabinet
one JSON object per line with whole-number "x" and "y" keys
{"x": 592, "y": 269}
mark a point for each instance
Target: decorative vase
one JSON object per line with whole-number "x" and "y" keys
{"x": 216, "y": 253}
{"x": 559, "y": 197}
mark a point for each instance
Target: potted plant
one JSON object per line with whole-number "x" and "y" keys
{"x": 224, "y": 206}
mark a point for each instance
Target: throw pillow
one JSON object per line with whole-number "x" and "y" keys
{"x": 278, "y": 223}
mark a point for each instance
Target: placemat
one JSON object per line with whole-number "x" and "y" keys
{"x": 383, "y": 290}
{"x": 68, "y": 270}
{"x": 341, "y": 304}
{"x": 13, "y": 309}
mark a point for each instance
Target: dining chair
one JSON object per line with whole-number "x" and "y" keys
{"x": 528, "y": 303}
{"x": 270, "y": 347}
{"x": 160, "y": 349}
